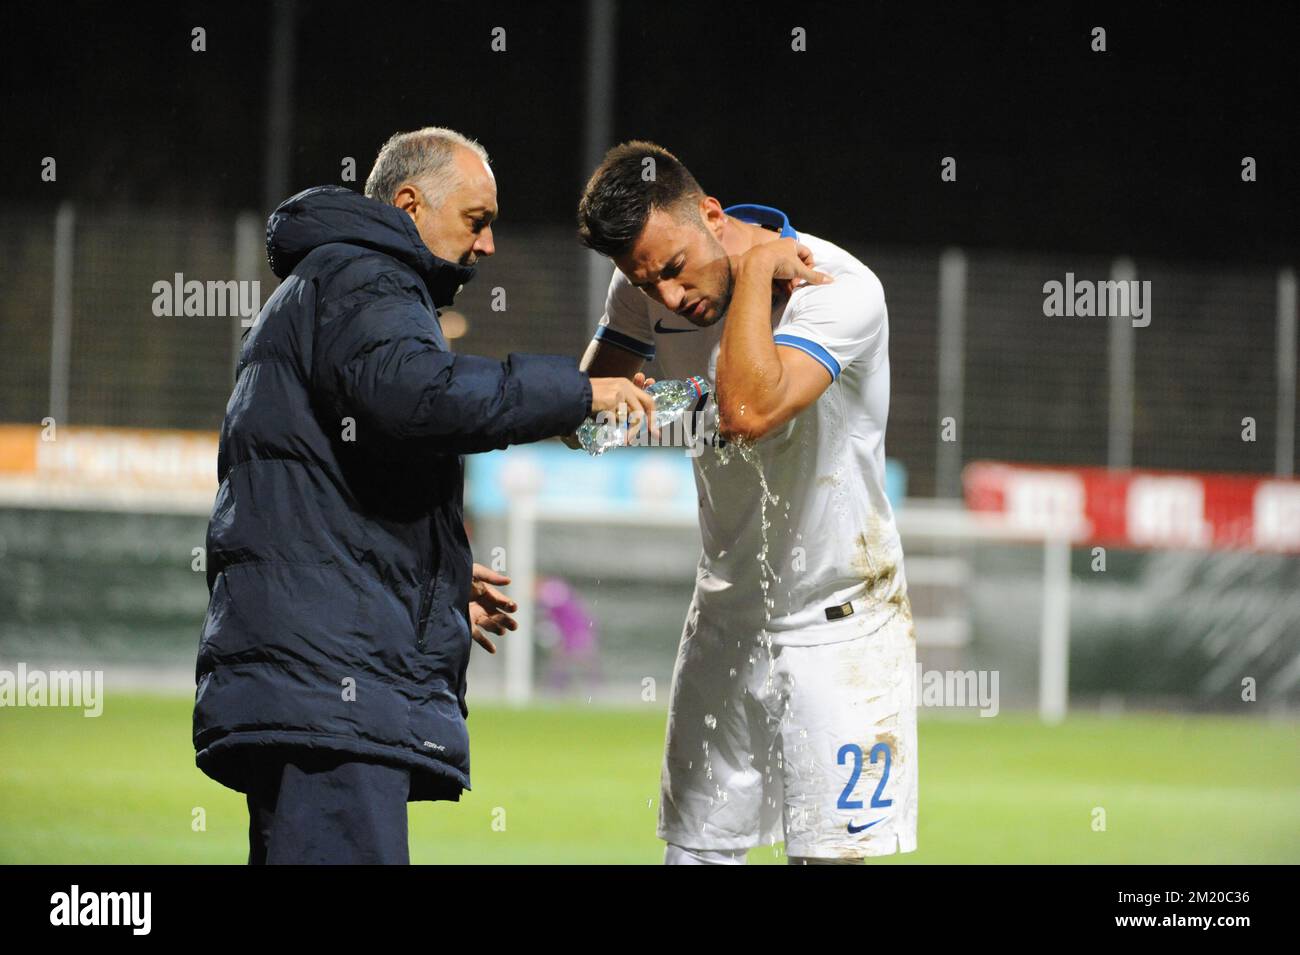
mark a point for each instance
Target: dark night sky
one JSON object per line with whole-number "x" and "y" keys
{"x": 1135, "y": 150}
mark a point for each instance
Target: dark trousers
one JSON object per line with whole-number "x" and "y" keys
{"x": 327, "y": 809}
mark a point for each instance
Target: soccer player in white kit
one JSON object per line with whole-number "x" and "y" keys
{"x": 793, "y": 707}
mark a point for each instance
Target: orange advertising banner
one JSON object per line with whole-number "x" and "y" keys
{"x": 115, "y": 466}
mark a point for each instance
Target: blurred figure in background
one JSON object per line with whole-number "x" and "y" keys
{"x": 568, "y": 632}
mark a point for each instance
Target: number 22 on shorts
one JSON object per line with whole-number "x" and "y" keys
{"x": 854, "y": 751}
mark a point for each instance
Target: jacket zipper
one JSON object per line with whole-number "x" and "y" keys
{"x": 426, "y": 598}
{"x": 426, "y": 592}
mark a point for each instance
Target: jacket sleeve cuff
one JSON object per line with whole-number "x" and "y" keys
{"x": 552, "y": 388}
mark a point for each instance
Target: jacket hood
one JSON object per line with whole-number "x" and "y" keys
{"x": 325, "y": 214}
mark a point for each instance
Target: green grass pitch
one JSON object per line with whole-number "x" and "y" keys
{"x": 579, "y": 784}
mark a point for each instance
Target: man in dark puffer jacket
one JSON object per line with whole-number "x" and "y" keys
{"x": 343, "y": 599}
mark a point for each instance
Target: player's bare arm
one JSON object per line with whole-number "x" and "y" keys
{"x": 610, "y": 361}
{"x": 761, "y": 386}
{"x": 603, "y": 360}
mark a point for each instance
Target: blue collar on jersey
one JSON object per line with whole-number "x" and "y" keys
{"x": 765, "y": 216}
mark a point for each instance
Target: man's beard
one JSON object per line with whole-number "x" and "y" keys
{"x": 726, "y": 285}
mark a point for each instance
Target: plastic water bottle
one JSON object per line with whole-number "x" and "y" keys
{"x": 672, "y": 400}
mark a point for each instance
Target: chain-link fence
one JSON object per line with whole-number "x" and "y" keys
{"x": 1033, "y": 388}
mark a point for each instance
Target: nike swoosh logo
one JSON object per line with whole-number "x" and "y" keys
{"x": 853, "y": 828}
{"x": 659, "y": 327}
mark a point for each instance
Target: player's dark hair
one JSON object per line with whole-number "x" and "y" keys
{"x": 631, "y": 181}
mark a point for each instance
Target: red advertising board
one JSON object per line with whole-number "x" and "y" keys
{"x": 1164, "y": 509}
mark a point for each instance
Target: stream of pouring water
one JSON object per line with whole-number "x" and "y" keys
{"x": 768, "y": 577}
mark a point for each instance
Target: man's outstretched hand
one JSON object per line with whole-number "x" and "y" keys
{"x": 635, "y": 414}
{"x": 489, "y": 608}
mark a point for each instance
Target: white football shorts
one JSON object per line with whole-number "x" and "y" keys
{"x": 815, "y": 745}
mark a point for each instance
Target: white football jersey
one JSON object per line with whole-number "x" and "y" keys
{"x": 826, "y": 528}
